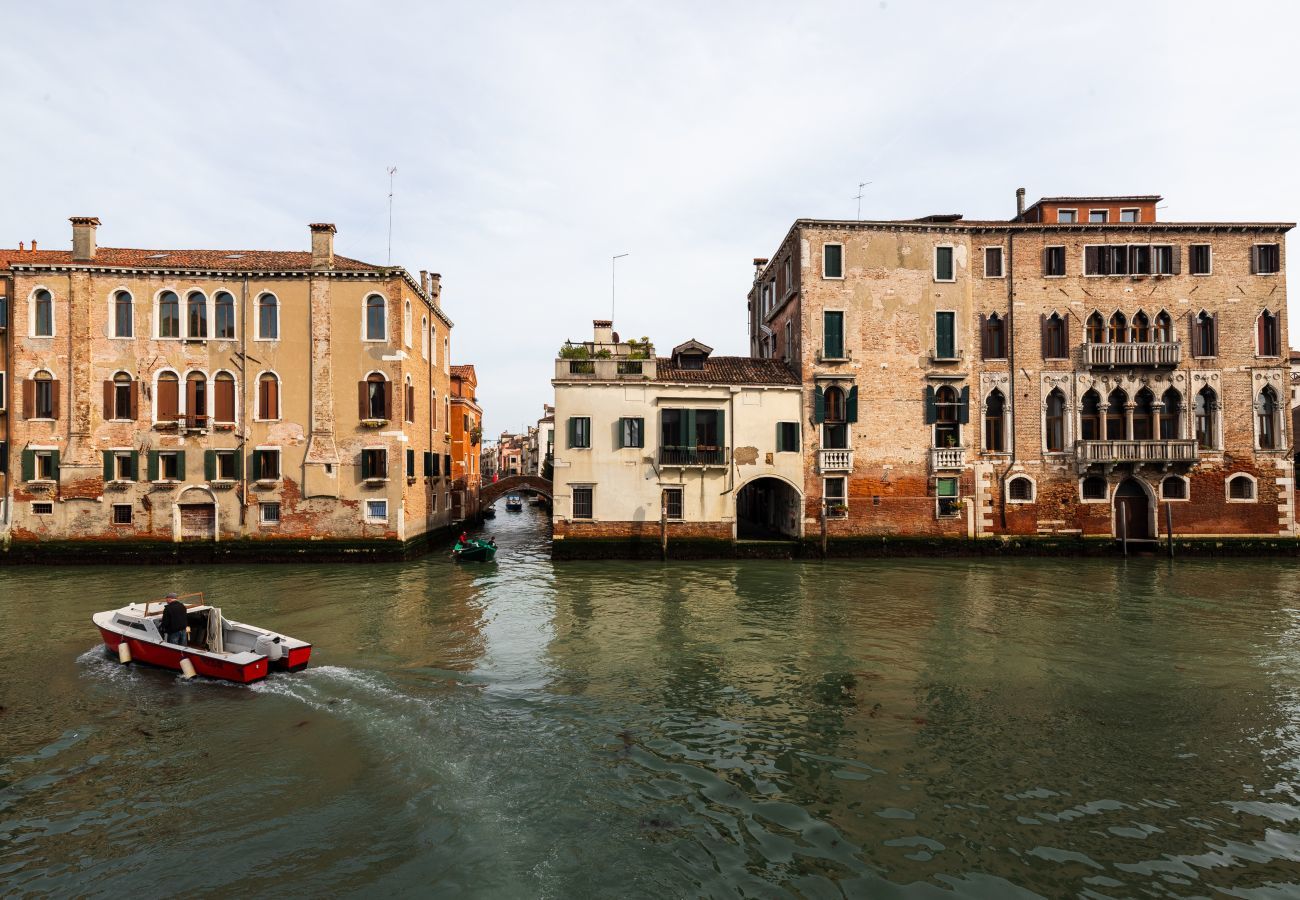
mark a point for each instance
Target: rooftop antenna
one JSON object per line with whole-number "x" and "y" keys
{"x": 612, "y": 269}
{"x": 861, "y": 185}
{"x": 392, "y": 170}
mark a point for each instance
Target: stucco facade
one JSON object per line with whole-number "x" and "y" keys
{"x": 466, "y": 437}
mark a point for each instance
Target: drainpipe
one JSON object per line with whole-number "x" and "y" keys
{"x": 243, "y": 407}
{"x": 1011, "y": 354}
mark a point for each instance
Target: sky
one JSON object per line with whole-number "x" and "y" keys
{"x": 535, "y": 141}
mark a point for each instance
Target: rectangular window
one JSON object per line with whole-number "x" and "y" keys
{"x": 1199, "y": 259}
{"x": 945, "y": 339}
{"x": 786, "y": 275}
{"x": 42, "y": 509}
{"x": 582, "y": 503}
{"x": 1098, "y": 216}
{"x": 580, "y": 432}
{"x": 376, "y": 510}
{"x": 946, "y": 491}
{"x": 1053, "y": 262}
{"x": 169, "y": 465}
{"x": 835, "y": 498}
{"x": 631, "y": 432}
{"x": 1139, "y": 259}
{"x": 832, "y": 335}
{"x": 266, "y": 464}
{"x": 374, "y": 463}
{"x": 832, "y": 261}
{"x": 787, "y": 437}
{"x": 943, "y": 266}
{"x": 1267, "y": 259}
{"x": 1162, "y": 259}
{"x": 122, "y": 514}
{"x": 1129, "y": 215}
{"x": 673, "y": 502}
{"x": 269, "y": 513}
{"x": 1067, "y": 216}
{"x": 992, "y": 262}
{"x": 47, "y": 465}
{"x": 227, "y": 465}
{"x": 3, "y": 393}
{"x": 123, "y": 465}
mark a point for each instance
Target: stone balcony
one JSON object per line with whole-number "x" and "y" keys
{"x": 947, "y": 458}
{"x": 692, "y": 457}
{"x": 605, "y": 369}
{"x": 834, "y": 461}
{"x": 1167, "y": 353}
{"x": 1088, "y": 453}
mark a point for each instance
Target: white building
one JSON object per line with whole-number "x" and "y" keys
{"x": 709, "y": 444}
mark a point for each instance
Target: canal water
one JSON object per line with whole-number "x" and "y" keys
{"x": 910, "y": 728}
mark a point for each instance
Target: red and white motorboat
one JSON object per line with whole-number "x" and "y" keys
{"x": 216, "y": 647}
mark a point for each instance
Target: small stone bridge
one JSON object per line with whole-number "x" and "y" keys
{"x": 490, "y": 493}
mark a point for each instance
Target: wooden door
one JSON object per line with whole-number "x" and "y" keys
{"x": 1132, "y": 512}
{"x": 198, "y": 521}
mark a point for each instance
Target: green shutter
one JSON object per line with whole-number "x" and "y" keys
{"x": 410, "y": 463}
{"x": 108, "y": 465}
{"x": 365, "y": 463}
{"x": 180, "y": 465}
{"x": 428, "y": 464}
{"x": 256, "y": 467}
{"x": 54, "y": 464}
{"x": 722, "y": 428}
{"x": 853, "y": 404}
{"x": 135, "y": 465}
{"x": 931, "y": 413}
{"x": 963, "y": 411}
{"x": 689, "y": 423}
{"x": 571, "y": 425}
{"x": 446, "y": 464}
{"x": 819, "y": 404}
{"x": 833, "y": 335}
{"x": 943, "y": 336}
{"x": 209, "y": 465}
{"x": 29, "y": 465}
{"x": 4, "y": 456}
{"x": 618, "y": 434}
{"x": 152, "y": 463}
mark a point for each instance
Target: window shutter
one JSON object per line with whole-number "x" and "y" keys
{"x": 619, "y": 426}
{"x": 1213, "y": 327}
{"x": 388, "y": 399}
{"x": 930, "y": 411}
{"x": 191, "y": 394}
{"x": 963, "y": 412}
{"x": 853, "y": 404}
{"x": 446, "y": 463}
{"x": 209, "y": 465}
{"x": 571, "y": 427}
{"x": 410, "y": 463}
{"x": 29, "y": 399}
{"x": 1261, "y": 335}
{"x": 1254, "y": 260}
{"x": 428, "y": 464}
{"x": 819, "y": 404}
{"x": 135, "y": 465}
{"x": 29, "y": 465}
{"x": 365, "y": 464}
{"x": 152, "y": 464}
{"x": 224, "y": 405}
{"x": 945, "y": 345}
{"x": 780, "y": 436}
{"x": 722, "y": 428}
{"x": 1176, "y": 255}
{"x": 1045, "y": 254}
{"x": 54, "y": 464}
{"x": 180, "y": 465}
{"x": 1065, "y": 334}
{"x": 256, "y": 467}
{"x": 363, "y": 398}
{"x": 108, "y": 465}
{"x": 168, "y": 400}
{"x": 410, "y": 403}
{"x": 108, "y": 400}
{"x": 984, "y": 336}
{"x": 437, "y": 464}
{"x": 1044, "y": 344}
{"x": 54, "y": 399}
{"x": 4, "y": 445}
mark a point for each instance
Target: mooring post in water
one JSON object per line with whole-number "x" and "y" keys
{"x": 823, "y": 528}
{"x": 1123, "y": 526}
{"x": 663, "y": 525}
{"x": 1169, "y": 527}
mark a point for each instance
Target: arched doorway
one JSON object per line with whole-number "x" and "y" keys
{"x": 1132, "y": 511}
{"x": 767, "y": 509}
{"x": 195, "y": 515}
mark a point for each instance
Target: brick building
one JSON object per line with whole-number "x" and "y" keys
{"x": 466, "y": 437}
{"x": 167, "y": 395}
{"x": 1078, "y": 369}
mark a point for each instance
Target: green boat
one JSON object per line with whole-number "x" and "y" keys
{"x": 475, "y": 551}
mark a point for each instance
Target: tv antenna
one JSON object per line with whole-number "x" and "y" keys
{"x": 392, "y": 170}
{"x": 858, "y": 197}
{"x": 612, "y": 270}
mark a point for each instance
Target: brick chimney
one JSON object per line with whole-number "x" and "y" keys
{"x": 424, "y": 281}
{"x": 1020, "y": 204}
{"x": 83, "y": 238}
{"x": 322, "y": 245}
{"x": 435, "y": 289}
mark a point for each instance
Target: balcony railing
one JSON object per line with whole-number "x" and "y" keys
{"x": 834, "y": 461}
{"x": 692, "y": 456}
{"x": 947, "y": 458}
{"x": 612, "y": 369}
{"x": 1090, "y": 452}
{"x": 1167, "y": 353}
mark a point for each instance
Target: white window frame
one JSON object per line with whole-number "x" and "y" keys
{"x": 1137, "y": 215}
{"x": 257, "y": 395}
{"x": 219, "y": 451}
{"x": 1279, "y": 421}
{"x": 235, "y": 309}
{"x": 1083, "y": 499}
{"x": 1002, "y": 260}
{"x": 156, "y": 330}
{"x": 585, "y": 487}
{"x": 118, "y": 454}
{"x": 31, "y": 314}
{"x": 262, "y": 508}
{"x": 1187, "y": 489}
{"x": 956, "y": 337}
{"x": 1155, "y": 255}
{"x": 843, "y": 499}
{"x": 112, "y": 314}
{"x": 372, "y": 518}
{"x": 934, "y": 271}
{"x": 787, "y": 272}
{"x": 37, "y": 450}
{"x": 938, "y": 499}
{"x": 257, "y": 317}
{"x": 36, "y": 503}
{"x": 4, "y": 377}
{"x": 1033, "y": 489}
{"x": 207, "y": 315}
{"x": 1072, "y": 211}
{"x": 1105, "y": 216}
{"x": 1061, "y": 247}
{"x": 844, "y": 333}
{"x": 839, "y": 277}
{"x": 1227, "y": 488}
{"x": 406, "y": 323}
{"x": 1278, "y": 270}
{"x": 446, "y": 354}
{"x": 279, "y": 463}
{"x": 1210, "y": 271}
{"x": 162, "y": 476}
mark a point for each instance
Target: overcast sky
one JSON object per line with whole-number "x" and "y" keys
{"x": 535, "y": 141}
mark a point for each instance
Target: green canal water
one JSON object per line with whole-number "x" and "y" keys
{"x": 912, "y": 728}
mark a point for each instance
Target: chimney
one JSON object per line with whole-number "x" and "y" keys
{"x": 435, "y": 289}
{"x": 20, "y": 247}
{"x": 33, "y": 245}
{"x": 322, "y": 245}
{"x": 424, "y": 281}
{"x": 83, "y": 238}
{"x": 1020, "y": 204}
{"x": 602, "y": 331}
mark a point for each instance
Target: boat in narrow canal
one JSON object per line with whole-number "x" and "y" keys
{"x": 215, "y": 646}
{"x": 514, "y": 503}
{"x": 474, "y": 550}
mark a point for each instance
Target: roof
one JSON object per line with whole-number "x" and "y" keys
{"x": 692, "y": 346}
{"x": 224, "y": 260}
{"x": 466, "y": 371}
{"x": 729, "y": 370}
{"x": 1152, "y": 198}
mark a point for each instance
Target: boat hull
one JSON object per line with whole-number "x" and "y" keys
{"x": 168, "y": 656}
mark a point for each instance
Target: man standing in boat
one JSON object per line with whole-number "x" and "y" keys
{"x": 174, "y": 621}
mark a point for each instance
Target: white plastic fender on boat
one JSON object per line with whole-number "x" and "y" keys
{"x": 187, "y": 668}
{"x": 123, "y": 653}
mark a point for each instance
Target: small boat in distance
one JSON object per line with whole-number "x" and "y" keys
{"x": 215, "y": 646}
{"x": 475, "y": 550}
{"x": 514, "y": 504}
{"x": 489, "y": 512}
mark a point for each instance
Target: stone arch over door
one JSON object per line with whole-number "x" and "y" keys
{"x": 768, "y": 506}
{"x": 1134, "y": 510}
{"x": 194, "y": 515}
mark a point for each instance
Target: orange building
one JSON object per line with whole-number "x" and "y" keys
{"x": 466, "y": 436}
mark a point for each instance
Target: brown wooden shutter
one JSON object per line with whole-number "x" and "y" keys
{"x": 223, "y": 407}
{"x": 1177, "y": 255}
{"x": 54, "y": 399}
{"x": 29, "y": 399}
{"x": 168, "y": 400}
{"x": 135, "y": 399}
{"x": 1042, "y": 334}
{"x": 108, "y": 400}
{"x": 1065, "y": 334}
{"x": 1261, "y": 335}
{"x": 388, "y": 399}
{"x": 410, "y": 403}
{"x": 1194, "y": 333}
{"x": 1254, "y": 260}
{"x": 984, "y": 337}
{"x": 363, "y": 405}
{"x": 1213, "y": 325}
{"x": 273, "y": 393}
{"x": 191, "y": 395}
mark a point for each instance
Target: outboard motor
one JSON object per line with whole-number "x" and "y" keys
{"x": 268, "y": 646}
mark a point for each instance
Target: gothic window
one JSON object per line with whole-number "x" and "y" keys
{"x": 1055, "y": 421}
{"x": 1096, "y": 329}
{"x": 1171, "y": 415}
{"x": 1141, "y": 332}
{"x": 995, "y": 422}
{"x": 1116, "y": 416}
{"x": 1164, "y": 328}
{"x": 1090, "y": 417}
{"x": 1117, "y": 332}
{"x": 1266, "y": 414}
{"x": 1206, "y": 408}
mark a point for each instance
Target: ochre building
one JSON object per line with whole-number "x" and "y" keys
{"x": 466, "y": 437}
{"x": 1080, "y": 369}
{"x": 214, "y": 395}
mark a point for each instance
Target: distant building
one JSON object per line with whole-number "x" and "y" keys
{"x": 466, "y": 436}
{"x": 545, "y": 439}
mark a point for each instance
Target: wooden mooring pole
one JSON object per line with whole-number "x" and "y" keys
{"x": 823, "y": 528}
{"x": 1123, "y": 527}
{"x": 1169, "y": 527}
{"x": 663, "y": 526}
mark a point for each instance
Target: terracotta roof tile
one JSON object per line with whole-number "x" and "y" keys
{"x": 225, "y": 260}
{"x": 729, "y": 370}
{"x": 466, "y": 371}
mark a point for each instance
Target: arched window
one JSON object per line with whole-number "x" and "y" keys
{"x": 1055, "y": 337}
{"x": 947, "y": 409}
{"x": 433, "y": 342}
{"x": 121, "y": 403}
{"x": 835, "y": 430}
{"x": 196, "y": 316}
{"x": 835, "y": 405}
{"x": 1174, "y": 487}
{"x": 1141, "y": 331}
{"x": 1116, "y": 416}
{"x": 1093, "y": 488}
{"x": 123, "y": 315}
{"x": 1206, "y": 412}
{"x": 376, "y": 315}
{"x": 406, "y": 324}
{"x": 167, "y": 398}
{"x": 1241, "y": 487}
{"x": 1204, "y": 338}
{"x": 424, "y": 337}
{"x": 196, "y": 400}
{"x": 446, "y": 354}
{"x": 1020, "y": 490}
{"x": 1090, "y": 417}
{"x": 225, "y": 330}
{"x": 268, "y": 396}
{"x": 1096, "y": 329}
{"x": 408, "y": 401}
{"x": 1118, "y": 331}
{"x": 223, "y": 398}
{"x": 1266, "y": 415}
{"x": 994, "y": 339}
{"x": 43, "y": 314}
{"x": 268, "y": 318}
{"x": 1164, "y": 330}
{"x": 1267, "y": 334}
{"x": 41, "y": 397}
{"x": 1144, "y": 414}
{"x": 169, "y": 315}
{"x": 377, "y": 396}
{"x": 1171, "y": 415}
{"x": 995, "y": 422}
{"x": 1054, "y": 425}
